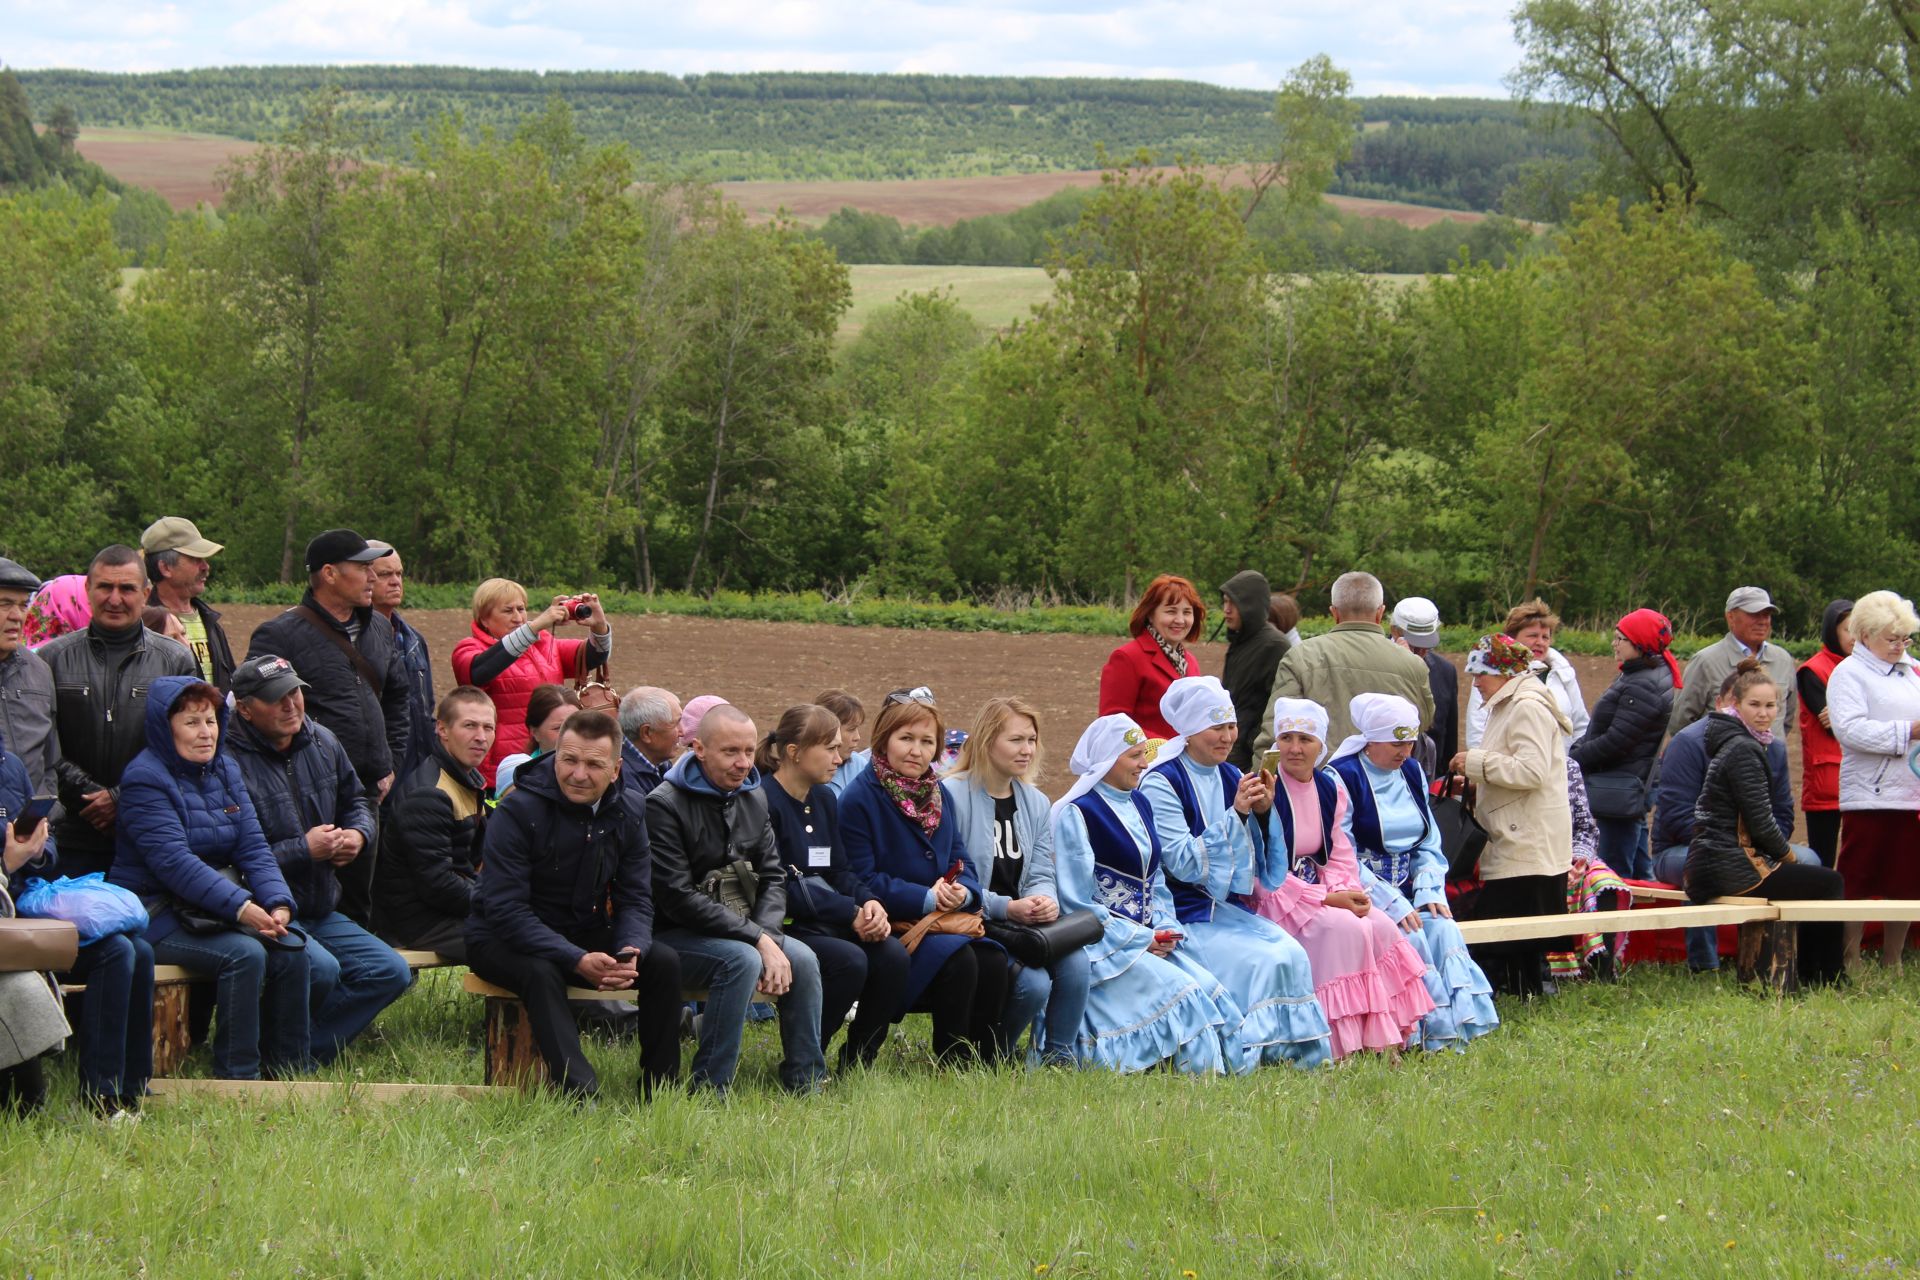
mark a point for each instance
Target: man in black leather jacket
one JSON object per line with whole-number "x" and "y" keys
{"x": 708, "y": 820}
{"x": 100, "y": 681}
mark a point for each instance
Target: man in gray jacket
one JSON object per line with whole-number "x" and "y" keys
{"x": 1355, "y": 657}
{"x": 26, "y": 684}
{"x": 1750, "y": 613}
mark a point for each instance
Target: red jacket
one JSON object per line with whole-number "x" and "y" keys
{"x": 549, "y": 661}
{"x": 1819, "y": 749}
{"x": 1135, "y": 676}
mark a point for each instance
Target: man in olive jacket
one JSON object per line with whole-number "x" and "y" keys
{"x": 708, "y": 820}
{"x": 1254, "y": 649}
{"x": 1355, "y": 657}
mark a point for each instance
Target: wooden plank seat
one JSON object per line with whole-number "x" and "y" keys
{"x": 1528, "y": 928}
{"x": 328, "y": 1091}
{"x": 511, "y": 1056}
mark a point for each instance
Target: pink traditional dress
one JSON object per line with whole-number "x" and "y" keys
{"x": 1369, "y": 980}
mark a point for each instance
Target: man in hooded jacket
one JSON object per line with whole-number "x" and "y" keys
{"x": 1254, "y": 649}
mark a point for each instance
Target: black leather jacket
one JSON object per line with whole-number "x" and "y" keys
{"x": 100, "y": 721}
{"x": 695, "y": 831}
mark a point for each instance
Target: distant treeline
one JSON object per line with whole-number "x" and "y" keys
{"x": 1456, "y": 153}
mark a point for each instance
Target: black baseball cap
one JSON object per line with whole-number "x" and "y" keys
{"x": 268, "y": 677}
{"x": 340, "y": 546}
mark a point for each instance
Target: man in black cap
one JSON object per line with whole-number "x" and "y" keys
{"x": 26, "y": 685}
{"x": 357, "y": 686}
{"x": 316, "y": 818}
{"x": 178, "y": 564}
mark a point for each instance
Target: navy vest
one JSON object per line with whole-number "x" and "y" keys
{"x": 1308, "y": 866}
{"x": 1394, "y": 867}
{"x": 1121, "y": 883}
{"x": 1191, "y": 903}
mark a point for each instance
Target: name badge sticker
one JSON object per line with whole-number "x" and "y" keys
{"x": 819, "y": 855}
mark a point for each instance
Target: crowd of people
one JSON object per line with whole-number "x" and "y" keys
{"x": 1264, "y": 867}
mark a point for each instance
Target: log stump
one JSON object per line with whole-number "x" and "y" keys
{"x": 1770, "y": 955}
{"x": 172, "y": 1026}
{"x": 512, "y": 1056}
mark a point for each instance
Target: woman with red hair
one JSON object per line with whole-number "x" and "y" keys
{"x": 1167, "y": 619}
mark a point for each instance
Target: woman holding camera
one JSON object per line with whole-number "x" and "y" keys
{"x": 512, "y": 653}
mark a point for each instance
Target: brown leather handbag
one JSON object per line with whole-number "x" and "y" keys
{"x": 968, "y": 924}
{"x": 595, "y": 686}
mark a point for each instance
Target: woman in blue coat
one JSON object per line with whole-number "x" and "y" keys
{"x": 185, "y": 819}
{"x": 1002, "y": 822}
{"x": 895, "y": 821}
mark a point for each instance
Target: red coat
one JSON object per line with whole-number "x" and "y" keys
{"x": 1135, "y": 676}
{"x": 549, "y": 661}
{"x": 1819, "y": 749}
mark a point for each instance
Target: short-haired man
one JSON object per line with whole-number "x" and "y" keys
{"x": 315, "y": 815}
{"x": 649, "y": 733}
{"x": 356, "y": 685}
{"x": 178, "y": 564}
{"x": 436, "y": 820}
{"x": 1415, "y": 626}
{"x": 100, "y": 677}
{"x": 26, "y": 684}
{"x": 1750, "y": 614}
{"x": 564, "y": 844}
{"x": 1355, "y": 657}
{"x": 709, "y": 827}
{"x": 389, "y": 593}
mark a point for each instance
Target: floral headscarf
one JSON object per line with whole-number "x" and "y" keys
{"x": 58, "y": 607}
{"x": 1499, "y": 656}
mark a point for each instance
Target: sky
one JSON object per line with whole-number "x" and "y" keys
{"x": 1437, "y": 47}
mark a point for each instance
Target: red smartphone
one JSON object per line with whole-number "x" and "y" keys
{"x": 953, "y": 873}
{"x": 1167, "y": 935}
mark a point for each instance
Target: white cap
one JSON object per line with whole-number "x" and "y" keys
{"x": 1419, "y": 619}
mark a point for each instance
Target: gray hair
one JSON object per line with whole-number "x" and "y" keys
{"x": 1358, "y": 594}
{"x": 644, "y": 706}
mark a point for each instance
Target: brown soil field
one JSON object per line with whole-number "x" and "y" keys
{"x": 945, "y": 201}
{"x": 766, "y": 667}
{"x": 182, "y": 167}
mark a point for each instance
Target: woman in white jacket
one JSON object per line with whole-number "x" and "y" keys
{"x": 1533, "y": 625}
{"x": 1873, "y": 700}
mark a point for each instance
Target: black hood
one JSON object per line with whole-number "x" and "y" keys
{"x": 1830, "y": 621}
{"x": 1252, "y": 596}
{"x": 536, "y": 776}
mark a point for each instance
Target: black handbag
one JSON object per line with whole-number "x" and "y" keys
{"x": 1617, "y": 794}
{"x": 1462, "y": 837}
{"x": 196, "y": 919}
{"x": 1041, "y": 946}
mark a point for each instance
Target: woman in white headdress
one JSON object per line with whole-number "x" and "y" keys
{"x": 1203, "y": 813}
{"x": 1394, "y": 835}
{"x": 1143, "y": 1008}
{"x": 1369, "y": 979}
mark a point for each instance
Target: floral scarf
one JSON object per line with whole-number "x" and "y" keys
{"x": 60, "y": 606}
{"x": 1175, "y": 652}
{"x": 918, "y": 798}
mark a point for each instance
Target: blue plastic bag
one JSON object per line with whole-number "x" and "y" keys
{"x": 93, "y": 906}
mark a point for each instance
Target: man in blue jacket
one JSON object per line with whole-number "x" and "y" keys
{"x": 560, "y": 847}
{"x": 314, "y": 813}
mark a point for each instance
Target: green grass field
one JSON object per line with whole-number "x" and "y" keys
{"x": 994, "y": 296}
{"x": 1665, "y": 1126}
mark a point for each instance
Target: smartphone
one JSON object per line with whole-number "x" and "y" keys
{"x": 1270, "y": 763}
{"x": 1167, "y": 935}
{"x": 953, "y": 873}
{"x": 32, "y": 816}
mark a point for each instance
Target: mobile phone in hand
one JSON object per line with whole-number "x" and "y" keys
{"x": 32, "y": 816}
{"x": 1167, "y": 935}
{"x": 953, "y": 873}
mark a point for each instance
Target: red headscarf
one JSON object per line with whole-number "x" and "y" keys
{"x": 1651, "y": 633}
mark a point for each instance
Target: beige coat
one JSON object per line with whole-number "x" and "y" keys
{"x": 1521, "y": 769}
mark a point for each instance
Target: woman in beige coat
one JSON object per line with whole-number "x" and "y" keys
{"x": 1520, "y": 767}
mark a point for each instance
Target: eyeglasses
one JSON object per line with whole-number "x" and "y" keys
{"x": 921, "y": 695}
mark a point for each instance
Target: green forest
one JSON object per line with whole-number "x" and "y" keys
{"x": 1452, "y": 152}
{"x": 511, "y": 359}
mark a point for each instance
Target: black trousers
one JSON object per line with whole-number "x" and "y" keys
{"x": 873, "y": 973}
{"x": 1518, "y": 968}
{"x": 1822, "y": 946}
{"x": 542, "y": 985}
{"x": 1823, "y": 834}
{"x": 23, "y": 1087}
{"x": 966, "y": 999}
{"x": 448, "y": 937}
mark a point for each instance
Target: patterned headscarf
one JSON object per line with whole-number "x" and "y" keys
{"x": 1499, "y": 656}
{"x": 59, "y": 607}
{"x": 1651, "y": 633}
{"x": 1301, "y": 715}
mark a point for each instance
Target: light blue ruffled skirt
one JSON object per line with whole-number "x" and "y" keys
{"x": 1268, "y": 979}
{"x": 1462, "y": 996}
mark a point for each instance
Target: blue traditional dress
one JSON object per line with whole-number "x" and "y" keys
{"x": 1141, "y": 1010}
{"x": 1208, "y": 854}
{"x": 1403, "y": 868}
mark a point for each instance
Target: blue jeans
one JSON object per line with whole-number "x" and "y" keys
{"x": 352, "y": 976}
{"x": 730, "y": 971}
{"x": 260, "y": 1000}
{"x": 1623, "y": 846}
{"x": 1703, "y": 945}
{"x": 1062, "y": 992}
{"x": 115, "y": 1027}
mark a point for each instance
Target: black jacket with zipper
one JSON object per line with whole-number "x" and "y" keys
{"x": 1735, "y": 797}
{"x": 370, "y": 719}
{"x": 308, "y": 785}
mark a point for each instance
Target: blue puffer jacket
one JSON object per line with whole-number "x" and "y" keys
{"x": 180, "y": 822}
{"x": 16, "y": 788}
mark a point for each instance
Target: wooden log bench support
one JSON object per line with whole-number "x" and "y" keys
{"x": 512, "y": 1058}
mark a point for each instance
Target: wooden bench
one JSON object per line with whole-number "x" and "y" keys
{"x": 173, "y": 989}
{"x": 511, "y": 1056}
{"x": 327, "y": 1091}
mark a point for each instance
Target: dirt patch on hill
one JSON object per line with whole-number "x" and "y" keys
{"x": 183, "y": 168}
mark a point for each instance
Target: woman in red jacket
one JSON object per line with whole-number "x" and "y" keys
{"x": 1819, "y": 749}
{"x": 1167, "y": 619}
{"x": 510, "y": 655}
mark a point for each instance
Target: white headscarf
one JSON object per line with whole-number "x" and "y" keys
{"x": 1300, "y": 715}
{"x": 1379, "y": 717}
{"x": 1194, "y": 704}
{"x": 1103, "y": 743}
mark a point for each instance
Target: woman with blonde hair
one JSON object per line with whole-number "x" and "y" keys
{"x": 1533, "y": 625}
{"x": 512, "y": 653}
{"x": 1873, "y": 700}
{"x": 1001, "y": 820}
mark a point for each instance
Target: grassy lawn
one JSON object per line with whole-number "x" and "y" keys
{"x": 994, "y": 296}
{"x": 1666, "y": 1126}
